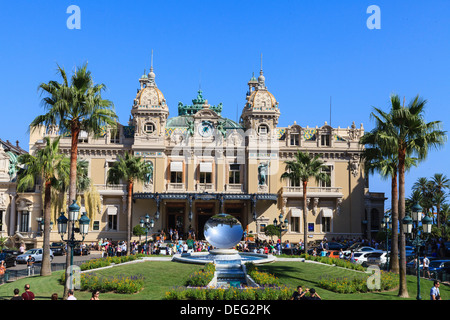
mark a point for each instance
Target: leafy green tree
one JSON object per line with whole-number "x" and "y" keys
{"x": 73, "y": 107}
{"x": 45, "y": 166}
{"x": 406, "y": 133}
{"x": 301, "y": 169}
{"x": 129, "y": 169}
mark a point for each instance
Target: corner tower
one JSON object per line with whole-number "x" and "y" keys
{"x": 261, "y": 110}
{"x": 149, "y": 112}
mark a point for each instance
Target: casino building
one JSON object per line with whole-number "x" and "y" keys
{"x": 205, "y": 164}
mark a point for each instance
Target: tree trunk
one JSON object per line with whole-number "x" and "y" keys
{"x": 403, "y": 289}
{"x": 129, "y": 202}
{"x": 393, "y": 263}
{"x": 75, "y": 132}
{"x": 46, "y": 269}
{"x": 305, "y": 217}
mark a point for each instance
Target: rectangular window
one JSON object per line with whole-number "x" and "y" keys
{"x": 234, "y": 176}
{"x": 325, "y": 140}
{"x": 114, "y": 135}
{"x": 295, "y": 224}
{"x": 176, "y": 177}
{"x": 294, "y": 139}
{"x": 112, "y": 222}
{"x": 205, "y": 177}
{"x": 24, "y": 221}
{"x": 326, "y": 224}
{"x": 311, "y": 227}
{"x": 262, "y": 228}
{"x": 327, "y": 171}
{"x": 96, "y": 225}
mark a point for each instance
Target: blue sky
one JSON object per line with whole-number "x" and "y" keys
{"x": 311, "y": 51}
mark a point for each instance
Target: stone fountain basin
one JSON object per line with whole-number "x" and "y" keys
{"x": 225, "y": 257}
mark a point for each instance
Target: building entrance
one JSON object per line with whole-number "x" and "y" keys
{"x": 203, "y": 212}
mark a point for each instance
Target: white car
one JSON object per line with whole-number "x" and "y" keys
{"x": 35, "y": 253}
{"x": 377, "y": 257}
{"x": 361, "y": 257}
{"x": 360, "y": 249}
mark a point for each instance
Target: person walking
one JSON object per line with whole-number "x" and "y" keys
{"x": 28, "y": 294}
{"x": 426, "y": 266}
{"x": 30, "y": 265}
{"x": 2, "y": 268}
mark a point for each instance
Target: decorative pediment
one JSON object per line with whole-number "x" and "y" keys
{"x": 24, "y": 204}
{"x": 206, "y": 114}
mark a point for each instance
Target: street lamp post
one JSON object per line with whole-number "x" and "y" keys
{"x": 83, "y": 229}
{"x": 281, "y": 225}
{"x": 148, "y": 225}
{"x": 386, "y": 224}
{"x": 411, "y": 228}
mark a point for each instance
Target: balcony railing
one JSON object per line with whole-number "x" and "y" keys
{"x": 200, "y": 187}
{"x": 172, "y": 186}
{"x": 234, "y": 188}
{"x": 317, "y": 191}
{"x": 111, "y": 187}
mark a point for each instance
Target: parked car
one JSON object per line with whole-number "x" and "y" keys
{"x": 77, "y": 251}
{"x": 440, "y": 266}
{"x": 377, "y": 258}
{"x": 360, "y": 257}
{"x": 35, "y": 253}
{"x": 335, "y": 246}
{"x": 58, "y": 248}
{"x": 9, "y": 259}
{"x": 358, "y": 249}
{"x": 333, "y": 254}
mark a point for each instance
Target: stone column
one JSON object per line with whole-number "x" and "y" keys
{"x": 12, "y": 215}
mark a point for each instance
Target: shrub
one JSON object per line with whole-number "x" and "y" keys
{"x": 203, "y": 277}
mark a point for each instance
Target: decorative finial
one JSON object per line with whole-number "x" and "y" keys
{"x": 151, "y": 64}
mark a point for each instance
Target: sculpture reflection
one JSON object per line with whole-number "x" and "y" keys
{"x": 223, "y": 231}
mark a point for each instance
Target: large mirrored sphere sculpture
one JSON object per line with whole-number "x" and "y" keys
{"x": 223, "y": 231}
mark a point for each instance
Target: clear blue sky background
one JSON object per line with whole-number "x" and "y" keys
{"x": 311, "y": 50}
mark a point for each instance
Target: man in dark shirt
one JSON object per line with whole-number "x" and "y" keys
{"x": 16, "y": 295}
{"x": 28, "y": 295}
{"x": 299, "y": 294}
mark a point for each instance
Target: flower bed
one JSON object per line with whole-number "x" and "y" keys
{"x": 358, "y": 284}
{"x": 203, "y": 277}
{"x": 264, "y": 293}
{"x": 105, "y": 262}
{"x": 338, "y": 262}
{"x": 118, "y": 284}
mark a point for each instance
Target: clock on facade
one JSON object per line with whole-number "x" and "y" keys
{"x": 205, "y": 129}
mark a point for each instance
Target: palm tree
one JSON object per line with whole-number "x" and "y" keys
{"x": 425, "y": 187}
{"x": 407, "y": 132}
{"x": 130, "y": 169}
{"x": 301, "y": 169}
{"x": 440, "y": 182}
{"x": 74, "y": 107}
{"x": 46, "y": 165}
{"x": 386, "y": 164}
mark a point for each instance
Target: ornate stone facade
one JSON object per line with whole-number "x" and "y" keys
{"x": 203, "y": 163}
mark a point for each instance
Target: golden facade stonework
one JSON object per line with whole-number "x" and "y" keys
{"x": 205, "y": 164}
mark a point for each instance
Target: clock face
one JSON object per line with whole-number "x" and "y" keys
{"x": 205, "y": 129}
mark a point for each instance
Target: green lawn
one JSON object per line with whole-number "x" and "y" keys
{"x": 161, "y": 276}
